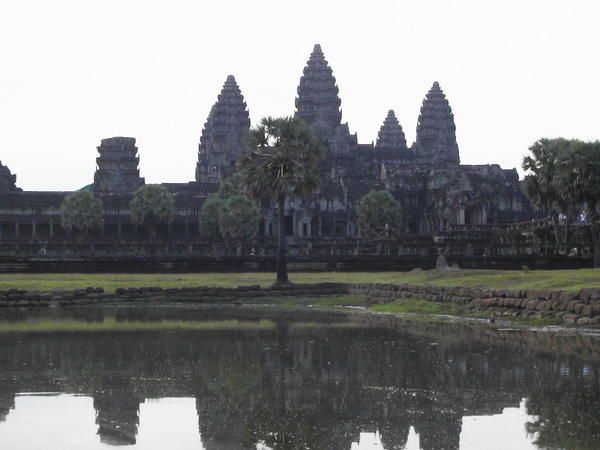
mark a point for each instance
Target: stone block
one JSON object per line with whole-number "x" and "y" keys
{"x": 566, "y": 296}
{"x": 544, "y": 294}
{"x": 532, "y": 304}
{"x": 587, "y": 311}
{"x": 570, "y": 318}
{"x": 587, "y": 294}
{"x": 541, "y": 305}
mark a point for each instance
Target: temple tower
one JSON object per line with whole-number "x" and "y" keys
{"x": 225, "y": 130}
{"x": 117, "y": 166}
{"x": 318, "y": 102}
{"x": 436, "y": 131}
{"x": 7, "y": 180}
{"x": 391, "y": 135}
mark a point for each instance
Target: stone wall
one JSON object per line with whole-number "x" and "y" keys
{"x": 199, "y": 294}
{"x": 581, "y": 308}
{"x": 314, "y": 263}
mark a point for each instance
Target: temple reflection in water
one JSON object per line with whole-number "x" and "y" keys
{"x": 313, "y": 385}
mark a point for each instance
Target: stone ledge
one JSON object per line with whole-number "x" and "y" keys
{"x": 198, "y": 294}
{"x": 581, "y": 308}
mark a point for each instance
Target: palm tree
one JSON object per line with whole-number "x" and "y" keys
{"x": 545, "y": 179}
{"x": 584, "y": 180}
{"x": 282, "y": 163}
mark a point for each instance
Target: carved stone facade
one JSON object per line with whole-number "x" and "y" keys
{"x": 118, "y": 166}
{"x": 436, "y": 192}
{"x": 222, "y": 140}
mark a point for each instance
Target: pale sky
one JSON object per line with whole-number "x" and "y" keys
{"x": 73, "y": 72}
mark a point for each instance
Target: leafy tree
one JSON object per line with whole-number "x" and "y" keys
{"x": 282, "y": 163}
{"x": 238, "y": 219}
{"x": 379, "y": 216}
{"x": 83, "y": 211}
{"x": 546, "y": 182}
{"x": 583, "y": 179}
{"x": 209, "y": 217}
{"x": 232, "y": 185}
{"x": 564, "y": 417}
{"x": 151, "y": 205}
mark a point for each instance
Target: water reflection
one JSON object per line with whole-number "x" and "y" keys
{"x": 305, "y": 379}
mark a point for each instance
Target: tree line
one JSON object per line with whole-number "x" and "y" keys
{"x": 563, "y": 180}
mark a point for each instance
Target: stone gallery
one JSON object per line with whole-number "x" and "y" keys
{"x": 435, "y": 191}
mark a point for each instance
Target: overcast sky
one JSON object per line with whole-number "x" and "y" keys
{"x": 73, "y": 72}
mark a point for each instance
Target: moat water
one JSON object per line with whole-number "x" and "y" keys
{"x": 228, "y": 378}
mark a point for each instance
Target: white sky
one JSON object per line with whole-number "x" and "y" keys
{"x": 73, "y": 72}
{"x": 67, "y": 422}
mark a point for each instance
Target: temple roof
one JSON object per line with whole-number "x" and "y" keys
{"x": 318, "y": 100}
{"x": 436, "y": 131}
{"x": 391, "y": 135}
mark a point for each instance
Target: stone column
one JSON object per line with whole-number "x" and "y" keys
{"x": 51, "y": 231}
{"x": 17, "y": 230}
{"x": 119, "y": 229}
{"x": 33, "y": 231}
{"x": 320, "y": 226}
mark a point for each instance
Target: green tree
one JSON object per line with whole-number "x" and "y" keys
{"x": 83, "y": 211}
{"x": 232, "y": 185}
{"x": 151, "y": 205}
{"x": 583, "y": 168}
{"x": 546, "y": 182}
{"x": 209, "y": 217}
{"x": 282, "y": 163}
{"x": 379, "y": 216}
{"x": 238, "y": 220}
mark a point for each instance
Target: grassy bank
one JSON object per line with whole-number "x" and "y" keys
{"x": 570, "y": 280}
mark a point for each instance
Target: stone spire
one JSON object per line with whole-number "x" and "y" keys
{"x": 7, "y": 180}
{"x": 318, "y": 102}
{"x": 390, "y": 134}
{"x": 222, "y": 139}
{"x": 436, "y": 131}
{"x": 117, "y": 169}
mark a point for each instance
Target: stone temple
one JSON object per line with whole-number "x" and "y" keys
{"x": 436, "y": 192}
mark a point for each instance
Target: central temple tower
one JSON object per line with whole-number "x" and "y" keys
{"x": 318, "y": 102}
{"x": 436, "y": 131}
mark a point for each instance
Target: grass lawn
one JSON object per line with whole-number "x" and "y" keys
{"x": 571, "y": 280}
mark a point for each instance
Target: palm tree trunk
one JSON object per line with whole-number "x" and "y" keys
{"x": 282, "y": 276}
{"x": 556, "y": 228}
{"x": 594, "y": 236}
{"x": 568, "y": 230}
